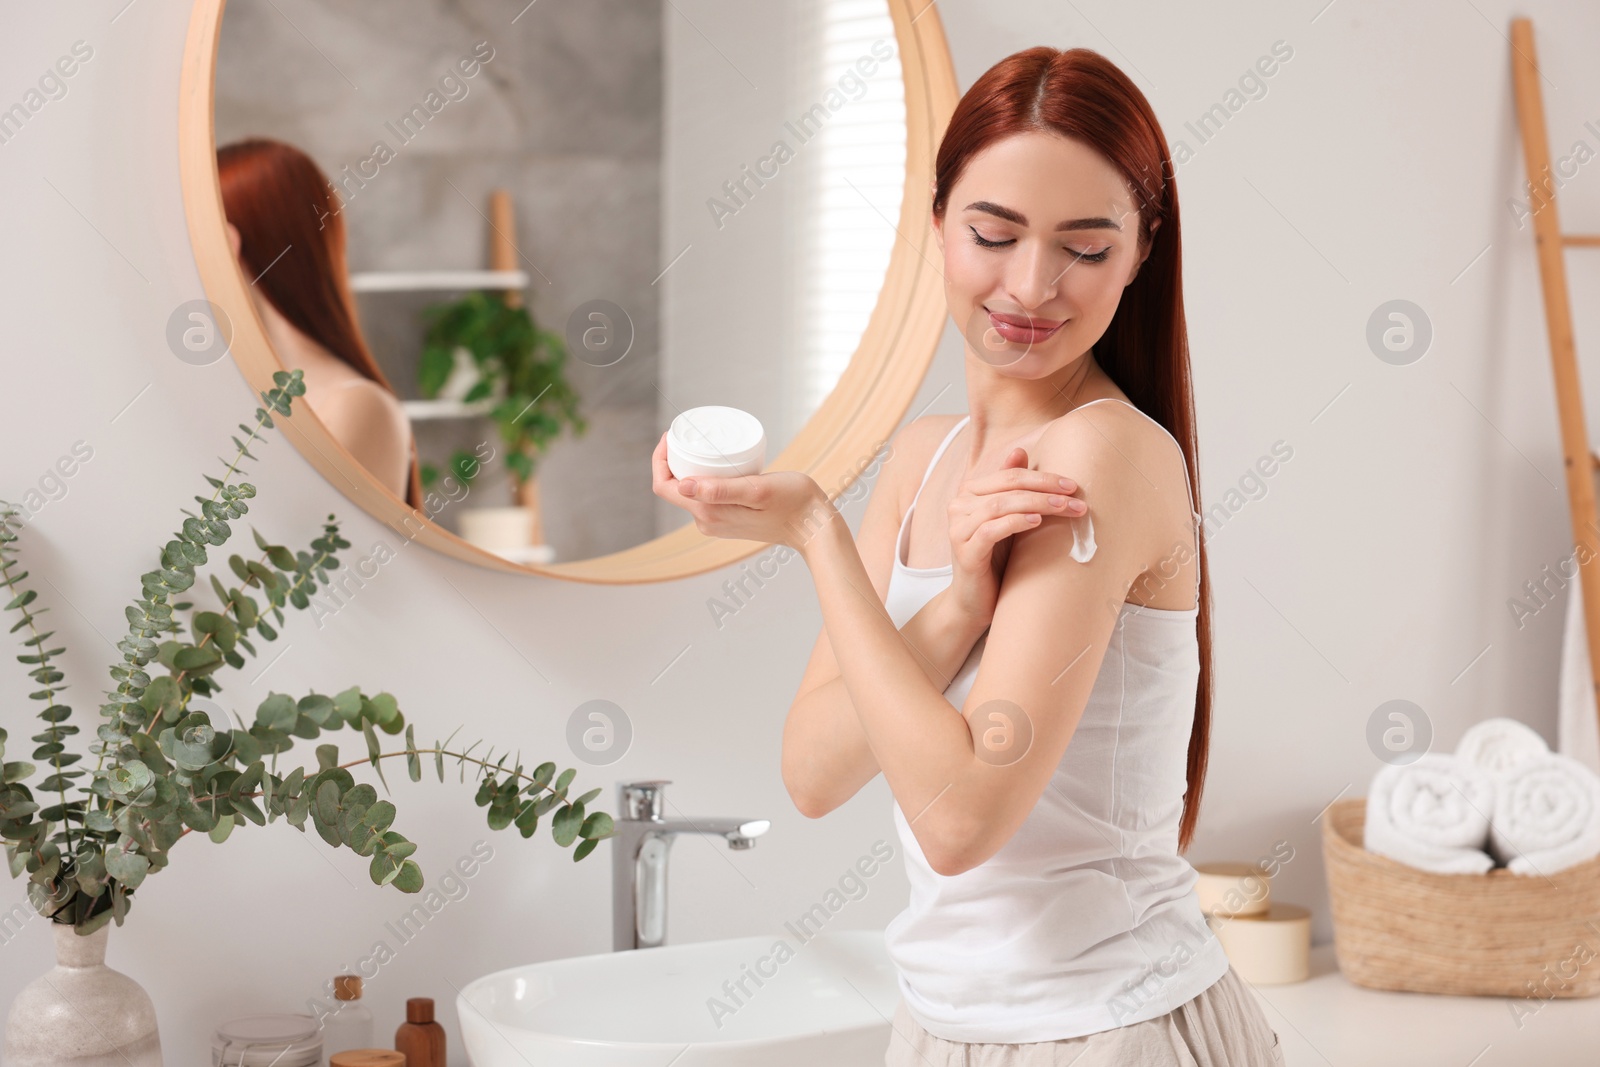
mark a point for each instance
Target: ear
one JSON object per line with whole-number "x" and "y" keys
{"x": 1154, "y": 226}
{"x": 235, "y": 242}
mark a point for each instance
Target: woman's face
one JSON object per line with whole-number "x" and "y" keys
{"x": 1040, "y": 235}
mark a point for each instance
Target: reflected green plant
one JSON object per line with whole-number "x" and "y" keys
{"x": 86, "y": 839}
{"x": 520, "y": 365}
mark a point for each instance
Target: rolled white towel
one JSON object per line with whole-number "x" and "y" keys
{"x": 1546, "y": 816}
{"x": 1432, "y": 813}
{"x": 1500, "y": 744}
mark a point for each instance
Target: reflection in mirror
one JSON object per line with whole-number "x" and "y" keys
{"x": 289, "y": 241}
{"x": 562, "y": 228}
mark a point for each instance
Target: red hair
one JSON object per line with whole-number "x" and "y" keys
{"x": 293, "y": 246}
{"x": 1080, "y": 94}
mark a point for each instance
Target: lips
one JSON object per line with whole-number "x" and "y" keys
{"x": 1023, "y": 329}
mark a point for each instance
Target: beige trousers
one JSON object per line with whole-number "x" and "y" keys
{"x": 1222, "y": 1027}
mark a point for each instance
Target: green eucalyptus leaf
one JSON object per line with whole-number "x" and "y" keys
{"x": 413, "y": 761}
{"x": 162, "y": 692}
{"x": 564, "y": 826}
{"x": 277, "y": 712}
{"x": 317, "y": 708}
{"x": 246, "y": 806}
{"x": 410, "y": 877}
{"x": 129, "y": 868}
{"x": 196, "y": 660}
{"x": 382, "y": 708}
{"x": 374, "y": 751}
{"x": 348, "y": 705}
{"x": 383, "y": 869}
{"x": 129, "y": 780}
{"x": 197, "y": 816}
{"x": 209, "y": 622}
{"x": 299, "y": 809}
{"x": 325, "y": 812}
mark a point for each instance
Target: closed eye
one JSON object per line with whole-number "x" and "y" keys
{"x": 1086, "y": 257}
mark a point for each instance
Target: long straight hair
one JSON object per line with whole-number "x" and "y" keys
{"x": 293, "y": 244}
{"x": 1080, "y": 94}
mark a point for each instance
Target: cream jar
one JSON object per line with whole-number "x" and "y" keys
{"x": 268, "y": 1041}
{"x": 716, "y": 441}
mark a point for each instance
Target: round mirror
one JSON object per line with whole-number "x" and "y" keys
{"x": 508, "y": 247}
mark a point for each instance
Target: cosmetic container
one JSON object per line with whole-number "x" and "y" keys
{"x": 419, "y": 1037}
{"x": 350, "y": 1026}
{"x": 267, "y": 1041}
{"x": 368, "y": 1057}
{"x": 716, "y": 441}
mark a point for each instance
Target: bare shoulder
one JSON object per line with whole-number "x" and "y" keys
{"x": 1131, "y": 471}
{"x": 1122, "y": 438}
{"x": 362, "y": 401}
{"x": 910, "y": 450}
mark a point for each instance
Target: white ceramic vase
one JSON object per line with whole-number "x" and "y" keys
{"x": 81, "y": 1013}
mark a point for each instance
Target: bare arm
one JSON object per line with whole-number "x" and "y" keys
{"x": 368, "y": 420}
{"x": 826, "y": 757}
{"x": 963, "y": 803}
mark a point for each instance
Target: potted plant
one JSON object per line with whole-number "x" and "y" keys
{"x": 462, "y": 465}
{"x": 165, "y": 767}
{"x": 521, "y": 369}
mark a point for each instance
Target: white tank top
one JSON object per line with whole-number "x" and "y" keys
{"x": 1087, "y": 918}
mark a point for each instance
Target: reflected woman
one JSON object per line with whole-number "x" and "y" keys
{"x": 285, "y": 226}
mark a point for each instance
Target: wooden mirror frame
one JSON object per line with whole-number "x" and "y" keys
{"x": 849, "y": 427}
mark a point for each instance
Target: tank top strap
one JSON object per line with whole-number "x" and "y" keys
{"x": 934, "y": 462}
{"x": 900, "y": 535}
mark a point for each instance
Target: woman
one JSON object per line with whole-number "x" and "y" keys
{"x": 287, "y": 231}
{"x": 1051, "y": 918}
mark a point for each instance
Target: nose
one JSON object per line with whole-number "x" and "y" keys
{"x": 1033, "y": 276}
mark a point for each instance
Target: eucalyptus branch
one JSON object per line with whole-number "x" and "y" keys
{"x": 253, "y": 580}
{"x": 165, "y": 769}
{"x": 53, "y": 747}
{"x": 177, "y": 573}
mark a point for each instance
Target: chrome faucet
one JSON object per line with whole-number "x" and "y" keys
{"x": 639, "y": 859}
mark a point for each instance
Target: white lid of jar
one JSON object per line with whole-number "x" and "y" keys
{"x": 718, "y": 435}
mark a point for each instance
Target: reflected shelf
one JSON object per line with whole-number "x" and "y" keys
{"x": 446, "y": 409}
{"x": 408, "y": 281}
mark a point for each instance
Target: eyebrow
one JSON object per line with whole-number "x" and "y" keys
{"x": 1099, "y": 223}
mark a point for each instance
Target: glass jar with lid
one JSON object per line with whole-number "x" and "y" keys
{"x": 268, "y": 1041}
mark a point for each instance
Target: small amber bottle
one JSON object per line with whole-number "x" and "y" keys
{"x": 419, "y": 1037}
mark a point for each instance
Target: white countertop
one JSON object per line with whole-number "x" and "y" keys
{"x": 1327, "y": 1020}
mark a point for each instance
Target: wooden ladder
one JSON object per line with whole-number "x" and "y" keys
{"x": 1580, "y": 460}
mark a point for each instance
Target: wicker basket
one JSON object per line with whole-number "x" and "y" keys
{"x": 1493, "y": 934}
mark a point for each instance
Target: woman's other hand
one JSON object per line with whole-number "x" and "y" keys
{"x": 778, "y": 507}
{"x": 985, "y": 513}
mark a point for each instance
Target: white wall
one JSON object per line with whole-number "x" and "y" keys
{"x": 1377, "y": 566}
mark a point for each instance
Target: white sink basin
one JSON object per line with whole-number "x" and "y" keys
{"x": 827, "y": 1000}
